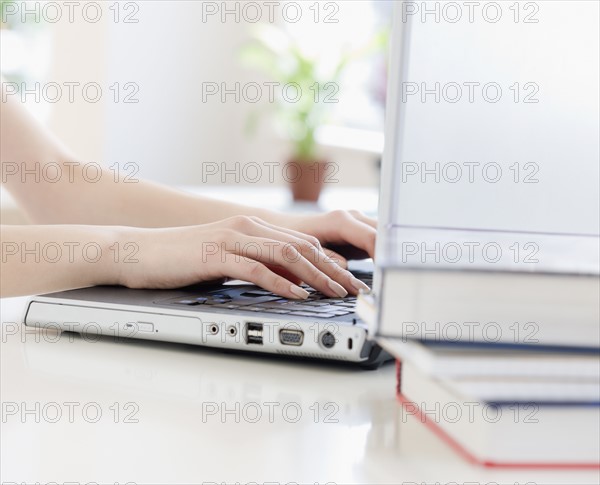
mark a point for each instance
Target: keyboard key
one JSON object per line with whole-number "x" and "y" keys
{"x": 278, "y": 305}
{"x": 216, "y": 302}
{"x": 338, "y": 308}
{"x": 257, "y": 293}
{"x": 188, "y": 302}
{"x": 310, "y": 314}
{"x": 317, "y": 309}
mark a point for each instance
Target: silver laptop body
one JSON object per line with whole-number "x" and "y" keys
{"x": 234, "y": 316}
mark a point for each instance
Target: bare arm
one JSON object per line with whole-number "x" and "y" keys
{"x": 198, "y": 239}
{"x": 48, "y": 182}
{"x": 39, "y": 259}
{"x": 77, "y": 199}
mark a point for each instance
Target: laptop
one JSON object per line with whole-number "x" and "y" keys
{"x": 235, "y": 316}
{"x": 427, "y": 55}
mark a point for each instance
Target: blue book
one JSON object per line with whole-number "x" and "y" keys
{"x": 487, "y": 287}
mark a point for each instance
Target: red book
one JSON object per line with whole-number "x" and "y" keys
{"x": 501, "y": 434}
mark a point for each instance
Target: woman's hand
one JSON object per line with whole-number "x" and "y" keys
{"x": 241, "y": 247}
{"x": 349, "y": 234}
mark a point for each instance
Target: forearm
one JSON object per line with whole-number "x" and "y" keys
{"x": 41, "y": 259}
{"x": 140, "y": 203}
{"x": 77, "y": 198}
{"x": 147, "y": 204}
{"x": 54, "y": 187}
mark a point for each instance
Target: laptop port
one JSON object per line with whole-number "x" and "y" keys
{"x": 213, "y": 329}
{"x": 254, "y": 333}
{"x": 232, "y": 330}
{"x": 327, "y": 340}
{"x": 291, "y": 337}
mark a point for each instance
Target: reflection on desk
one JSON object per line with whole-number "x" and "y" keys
{"x": 166, "y": 413}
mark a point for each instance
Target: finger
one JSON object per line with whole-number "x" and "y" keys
{"x": 342, "y": 275}
{"x": 281, "y": 271}
{"x": 359, "y": 234}
{"x": 257, "y": 273}
{"x": 362, "y": 218}
{"x": 335, "y": 266}
{"x": 331, "y": 263}
{"x": 286, "y": 255}
{"x": 348, "y": 251}
{"x": 338, "y": 258}
{"x": 296, "y": 234}
{"x": 310, "y": 249}
{"x": 326, "y": 252}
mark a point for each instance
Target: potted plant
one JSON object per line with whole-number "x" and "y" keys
{"x": 312, "y": 88}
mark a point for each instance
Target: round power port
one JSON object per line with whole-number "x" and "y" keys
{"x": 327, "y": 340}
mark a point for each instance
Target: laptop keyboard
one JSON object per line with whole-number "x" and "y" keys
{"x": 259, "y": 300}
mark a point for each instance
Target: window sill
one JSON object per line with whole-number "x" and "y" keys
{"x": 368, "y": 141}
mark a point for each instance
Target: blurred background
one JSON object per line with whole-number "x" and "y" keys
{"x": 158, "y": 64}
{"x": 268, "y": 102}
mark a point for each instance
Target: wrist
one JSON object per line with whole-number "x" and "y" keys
{"x": 279, "y": 218}
{"x": 120, "y": 247}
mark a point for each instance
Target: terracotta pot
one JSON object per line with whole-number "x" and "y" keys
{"x": 306, "y": 179}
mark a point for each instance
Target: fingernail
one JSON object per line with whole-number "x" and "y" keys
{"x": 359, "y": 285}
{"x": 301, "y": 293}
{"x": 337, "y": 289}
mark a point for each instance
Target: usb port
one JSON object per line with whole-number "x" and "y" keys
{"x": 254, "y": 333}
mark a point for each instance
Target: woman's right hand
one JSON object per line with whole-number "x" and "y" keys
{"x": 241, "y": 247}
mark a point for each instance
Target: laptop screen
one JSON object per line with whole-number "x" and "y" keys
{"x": 493, "y": 116}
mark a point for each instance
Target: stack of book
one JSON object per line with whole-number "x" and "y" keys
{"x": 498, "y": 354}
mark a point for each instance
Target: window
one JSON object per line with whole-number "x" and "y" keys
{"x": 362, "y": 28}
{"x": 25, "y": 48}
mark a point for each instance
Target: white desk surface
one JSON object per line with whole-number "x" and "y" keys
{"x": 364, "y": 199}
{"x": 174, "y": 441}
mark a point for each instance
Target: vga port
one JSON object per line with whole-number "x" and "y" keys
{"x": 291, "y": 337}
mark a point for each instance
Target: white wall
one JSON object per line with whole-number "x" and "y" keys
{"x": 170, "y": 133}
{"x": 79, "y": 55}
